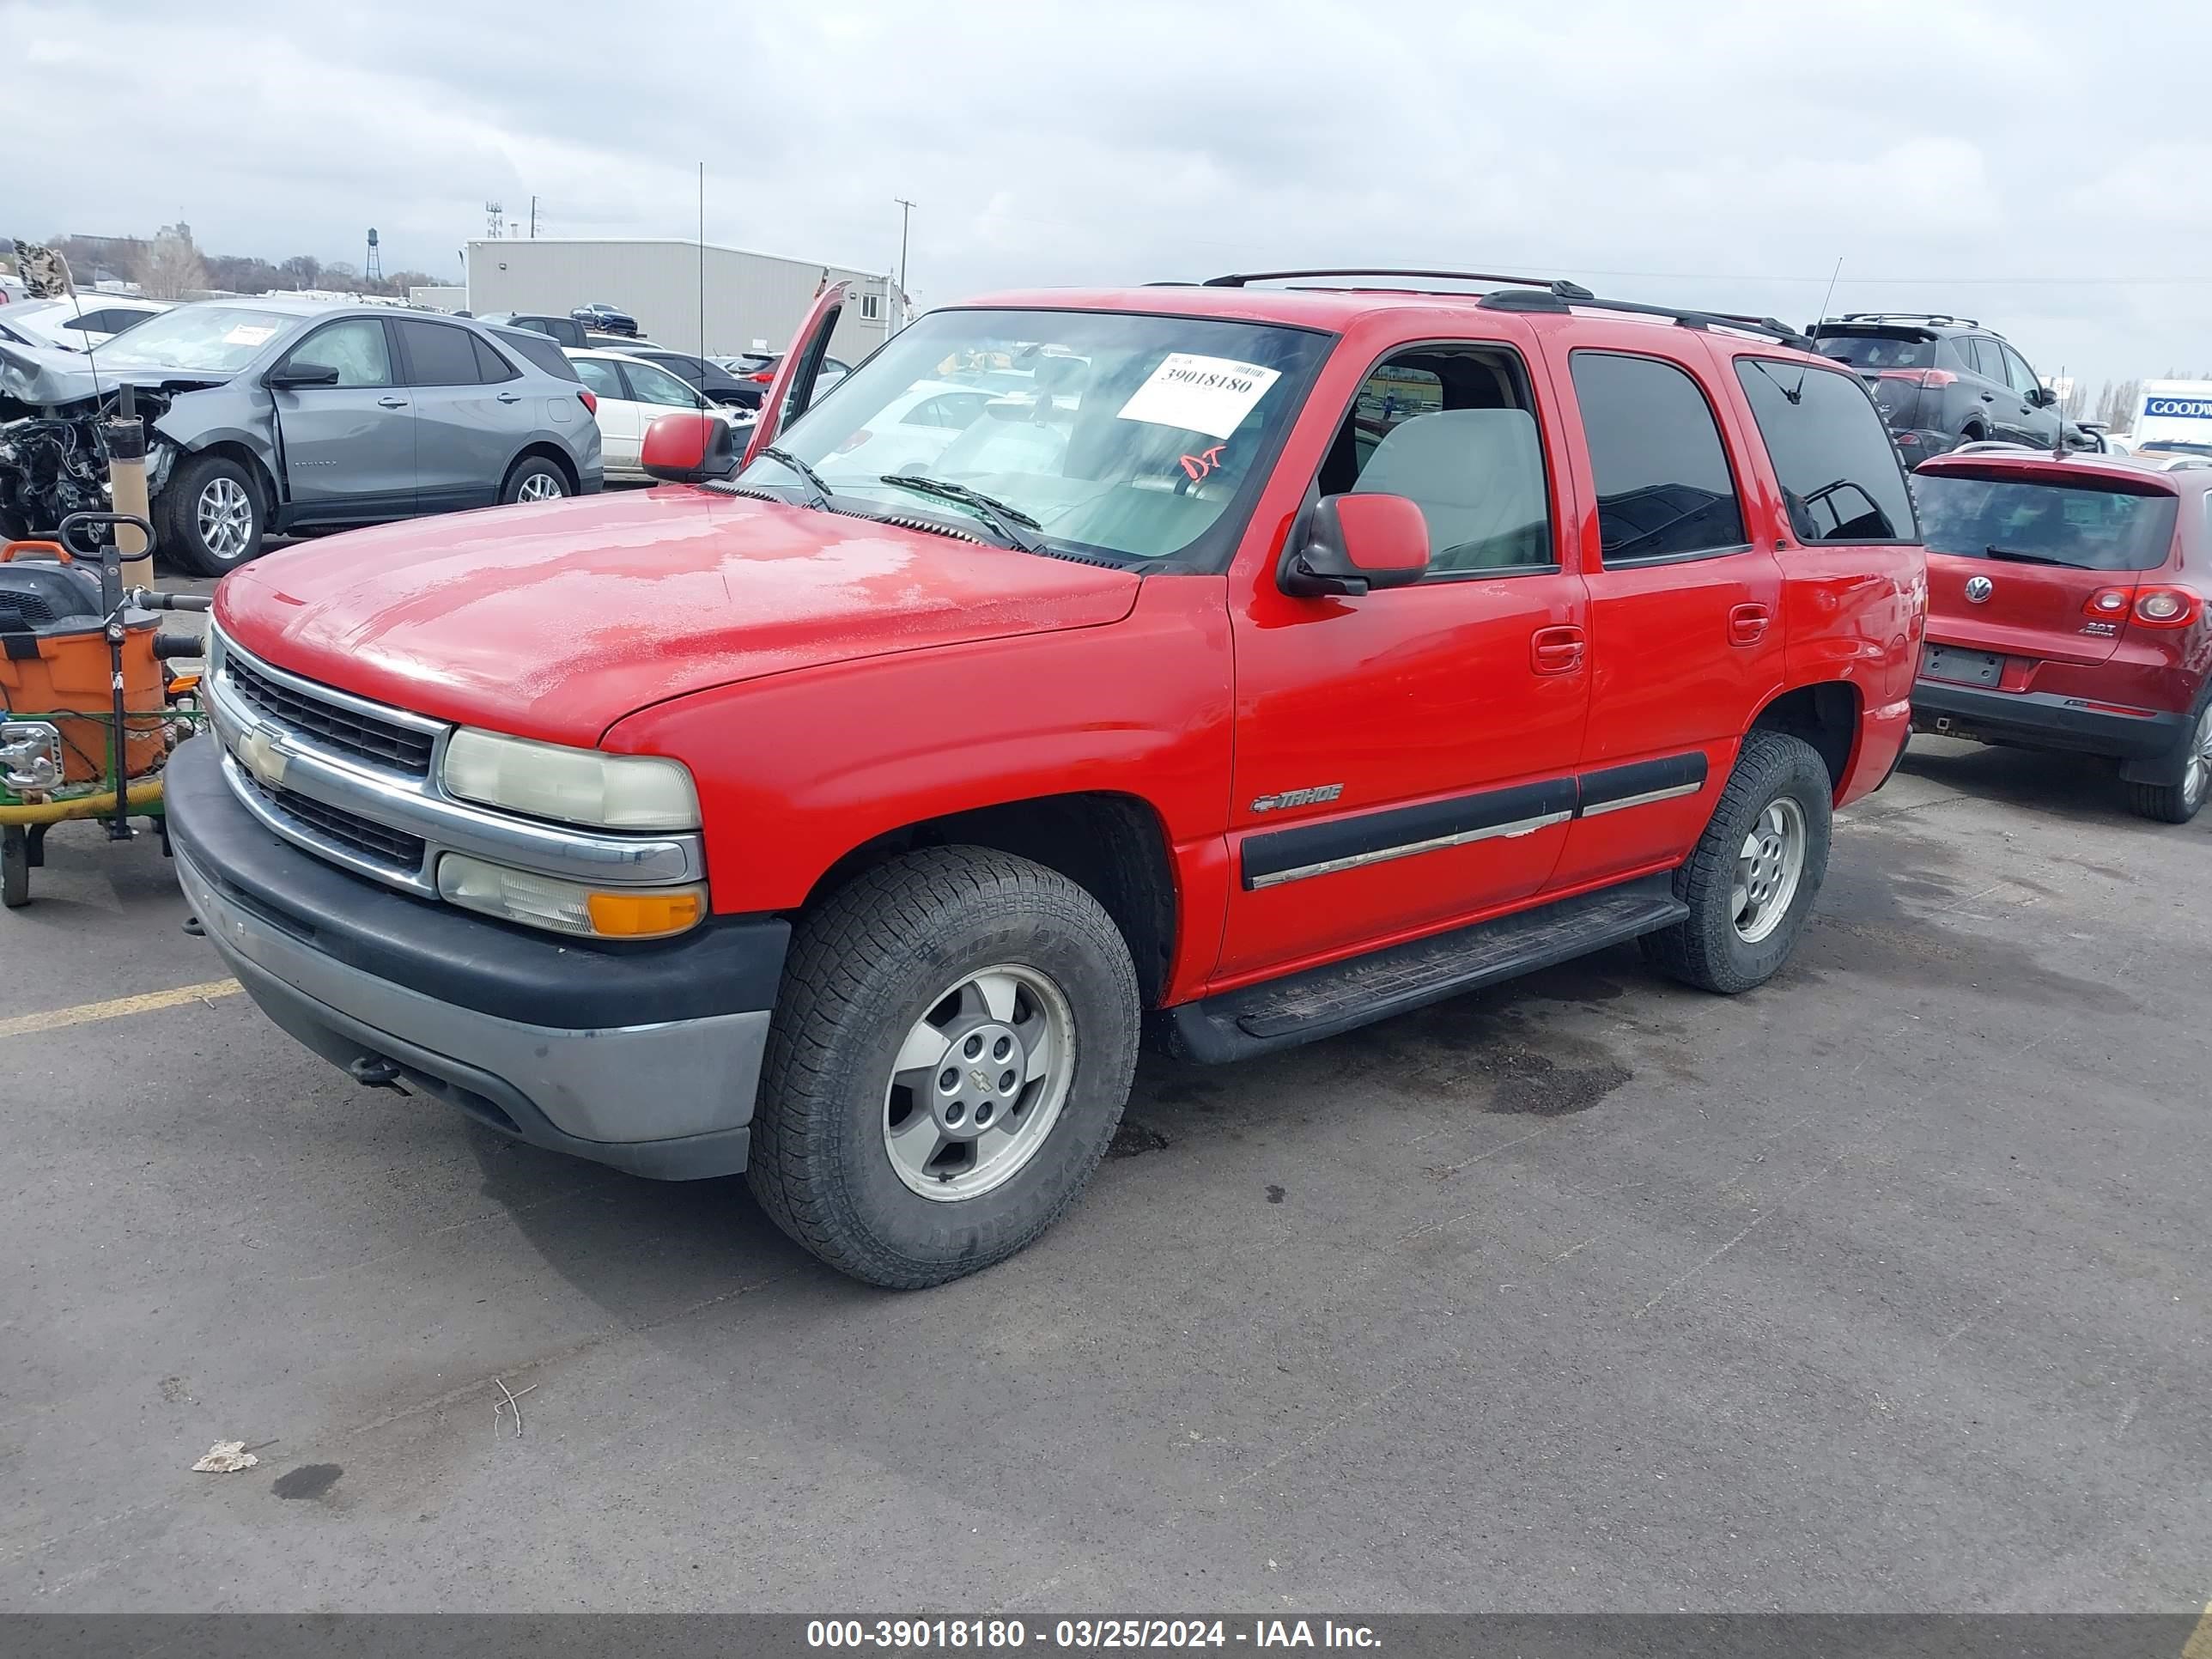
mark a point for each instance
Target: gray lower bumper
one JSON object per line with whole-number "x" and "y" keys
{"x": 673, "y": 1101}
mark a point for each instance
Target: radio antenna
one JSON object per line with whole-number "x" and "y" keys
{"x": 1817, "y": 321}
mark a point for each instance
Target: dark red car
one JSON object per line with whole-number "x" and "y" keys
{"x": 2066, "y": 610}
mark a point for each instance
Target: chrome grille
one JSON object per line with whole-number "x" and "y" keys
{"x": 388, "y": 845}
{"x": 380, "y": 742}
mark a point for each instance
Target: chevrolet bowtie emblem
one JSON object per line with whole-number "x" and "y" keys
{"x": 258, "y": 754}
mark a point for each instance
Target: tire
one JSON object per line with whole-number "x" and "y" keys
{"x": 2180, "y": 800}
{"x": 14, "y": 868}
{"x": 197, "y": 516}
{"x": 533, "y": 478}
{"x": 890, "y": 955}
{"x": 1711, "y": 948}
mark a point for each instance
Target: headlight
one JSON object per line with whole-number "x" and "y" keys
{"x": 567, "y": 907}
{"x": 575, "y": 786}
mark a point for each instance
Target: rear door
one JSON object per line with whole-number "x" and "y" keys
{"x": 622, "y": 423}
{"x": 348, "y": 449}
{"x": 2031, "y": 424}
{"x": 468, "y": 428}
{"x": 1685, "y": 599}
{"x": 2017, "y": 559}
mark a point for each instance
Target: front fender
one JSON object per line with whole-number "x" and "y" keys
{"x": 797, "y": 770}
{"x": 230, "y": 416}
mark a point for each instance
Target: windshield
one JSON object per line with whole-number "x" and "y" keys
{"x": 219, "y": 338}
{"x": 2045, "y": 524}
{"x": 1900, "y": 350}
{"x": 1110, "y": 433}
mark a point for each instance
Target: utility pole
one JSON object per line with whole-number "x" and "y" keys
{"x": 533, "y": 216}
{"x": 905, "y": 211}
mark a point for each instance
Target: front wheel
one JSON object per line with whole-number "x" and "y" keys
{"x": 211, "y": 516}
{"x": 1750, "y": 883}
{"x": 952, "y": 1049}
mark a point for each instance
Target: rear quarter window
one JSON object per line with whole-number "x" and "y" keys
{"x": 1841, "y": 480}
{"x": 540, "y": 351}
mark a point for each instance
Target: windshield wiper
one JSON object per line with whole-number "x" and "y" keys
{"x": 2019, "y": 557}
{"x": 785, "y": 458}
{"x": 1010, "y": 522}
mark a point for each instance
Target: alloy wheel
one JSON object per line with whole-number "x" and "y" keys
{"x": 1768, "y": 866}
{"x": 979, "y": 1082}
{"x": 225, "y": 515}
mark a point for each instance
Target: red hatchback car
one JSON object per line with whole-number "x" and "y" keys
{"x": 2066, "y": 610}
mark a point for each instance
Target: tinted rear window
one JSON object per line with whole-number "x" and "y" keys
{"x": 540, "y": 351}
{"x": 2044, "y": 524}
{"x": 1879, "y": 348}
{"x": 1840, "y": 477}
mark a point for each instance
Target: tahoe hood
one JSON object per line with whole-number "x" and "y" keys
{"x": 553, "y": 621}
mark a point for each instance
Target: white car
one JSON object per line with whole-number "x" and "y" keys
{"x": 89, "y": 320}
{"x": 632, "y": 394}
{"x": 912, "y": 430}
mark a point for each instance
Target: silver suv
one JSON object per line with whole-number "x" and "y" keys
{"x": 276, "y": 414}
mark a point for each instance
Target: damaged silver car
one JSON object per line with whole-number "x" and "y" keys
{"x": 277, "y": 415}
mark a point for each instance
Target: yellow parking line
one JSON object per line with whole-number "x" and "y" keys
{"x": 2199, "y": 1645}
{"x": 54, "y": 1018}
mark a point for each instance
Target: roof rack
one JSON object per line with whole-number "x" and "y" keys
{"x": 1244, "y": 278}
{"x": 1563, "y": 296}
{"x": 1540, "y": 293}
{"x": 1944, "y": 318}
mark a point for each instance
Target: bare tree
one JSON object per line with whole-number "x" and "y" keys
{"x": 174, "y": 269}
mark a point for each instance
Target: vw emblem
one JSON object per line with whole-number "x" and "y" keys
{"x": 1978, "y": 589}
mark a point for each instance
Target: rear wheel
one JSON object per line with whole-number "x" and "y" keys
{"x": 533, "y": 478}
{"x": 210, "y": 516}
{"x": 1756, "y": 872}
{"x": 952, "y": 1049}
{"x": 2183, "y": 797}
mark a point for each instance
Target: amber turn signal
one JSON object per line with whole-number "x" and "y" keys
{"x": 644, "y": 915}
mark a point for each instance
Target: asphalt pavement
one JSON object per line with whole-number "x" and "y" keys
{"x": 1883, "y": 1287}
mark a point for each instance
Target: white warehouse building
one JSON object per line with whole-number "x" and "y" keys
{"x": 753, "y": 302}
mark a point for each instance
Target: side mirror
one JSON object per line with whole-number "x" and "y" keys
{"x": 688, "y": 448}
{"x": 286, "y": 377}
{"x": 2042, "y": 397}
{"x": 1357, "y": 543}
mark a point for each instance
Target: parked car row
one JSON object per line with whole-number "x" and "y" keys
{"x": 1940, "y": 382}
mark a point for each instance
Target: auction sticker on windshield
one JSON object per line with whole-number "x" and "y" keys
{"x": 248, "y": 334}
{"x": 1199, "y": 394}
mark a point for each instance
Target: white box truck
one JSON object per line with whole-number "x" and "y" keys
{"x": 2175, "y": 416}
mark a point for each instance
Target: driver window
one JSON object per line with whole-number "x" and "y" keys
{"x": 1454, "y": 430}
{"x": 356, "y": 348}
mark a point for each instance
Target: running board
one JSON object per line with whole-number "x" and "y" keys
{"x": 1321, "y": 1002}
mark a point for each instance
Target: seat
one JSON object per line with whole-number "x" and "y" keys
{"x": 1479, "y": 476}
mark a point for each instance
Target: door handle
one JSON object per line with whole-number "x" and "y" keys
{"x": 1747, "y": 623}
{"x": 509, "y": 397}
{"x": 392, "y": 403}
{"x": 1556, "y": 650}
{"x": 1989, "y": 396}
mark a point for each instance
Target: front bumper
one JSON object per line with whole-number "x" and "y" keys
{"x": 646, "y": 1059}
{"x": 2042, "y": 719}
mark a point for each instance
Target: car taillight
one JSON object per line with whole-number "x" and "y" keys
{"x": 591, "y": 404}
{"x": 2167, "y": 607}
{"x": 764, "y": 377}
{"x": 2109, "y": 601}
{"x": 1922, "y": 378}
{"x": 855, "y": 440}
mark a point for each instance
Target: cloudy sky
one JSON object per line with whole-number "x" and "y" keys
{"x": 2038, "y": 164}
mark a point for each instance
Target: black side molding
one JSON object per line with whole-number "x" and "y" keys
{"x": 1322, "y": 1001}
{"x": 1397, "y": 832}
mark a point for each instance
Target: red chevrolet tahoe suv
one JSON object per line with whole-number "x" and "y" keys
{"x": 1263, "y": 661}
{"x": 2066, "y": 612}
